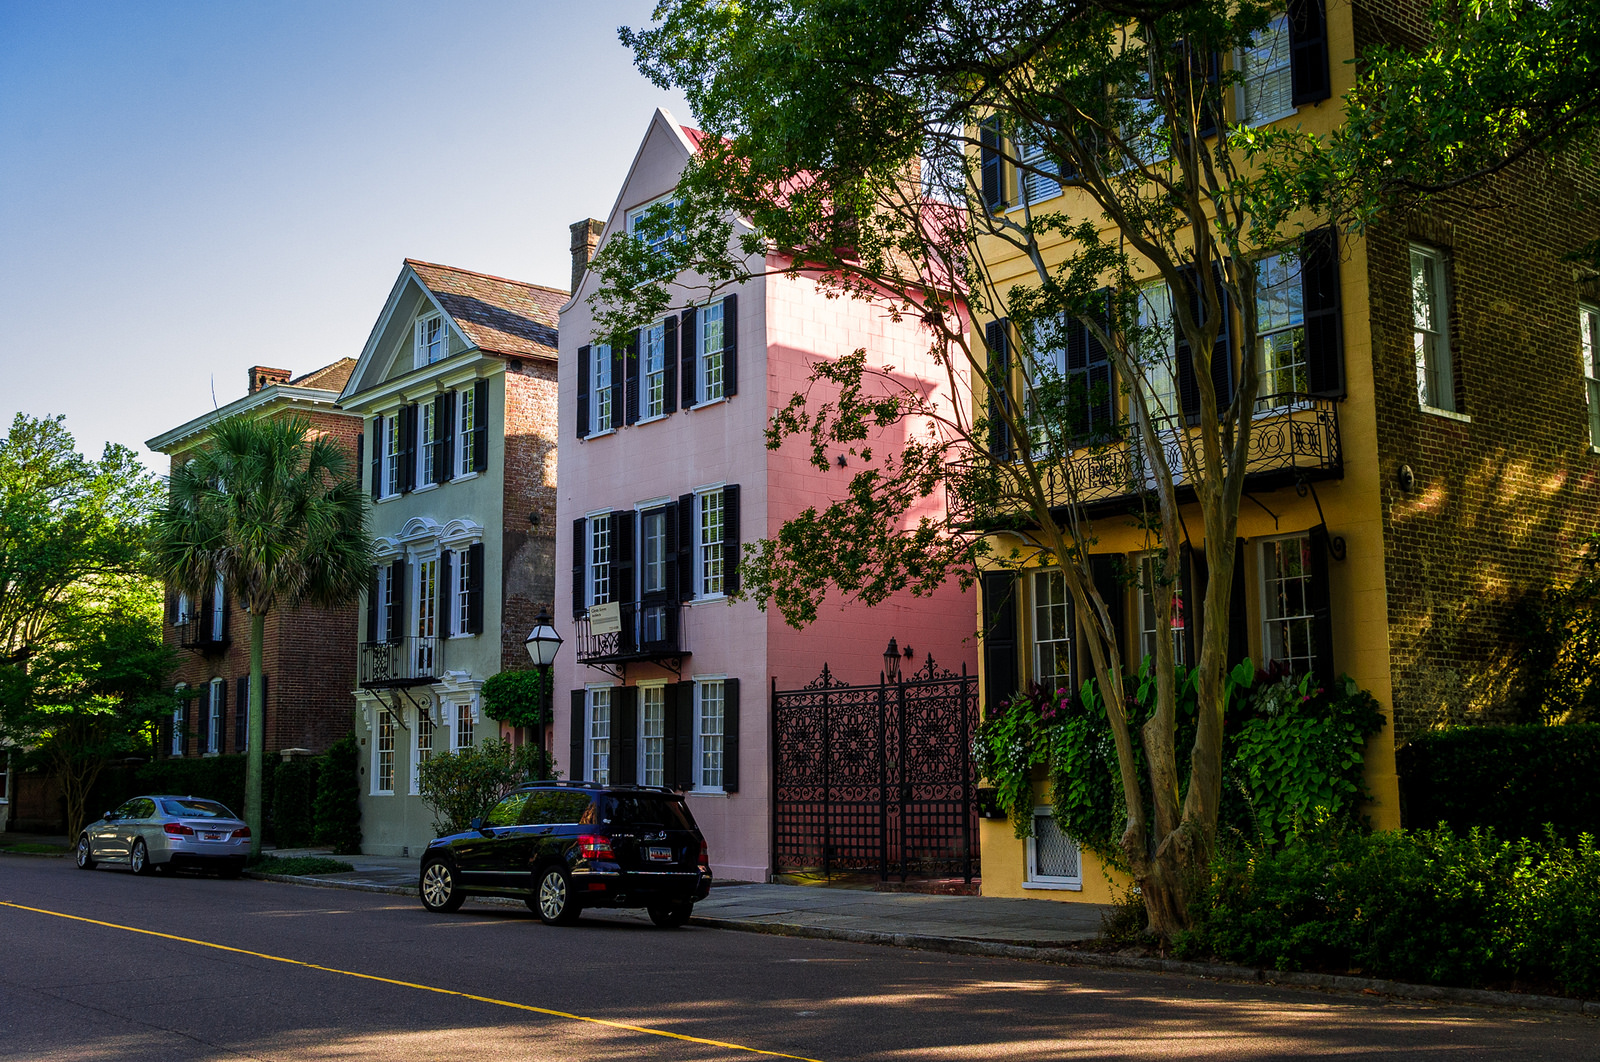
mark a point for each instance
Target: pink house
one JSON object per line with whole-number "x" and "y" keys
{"x": 664, "y": 473}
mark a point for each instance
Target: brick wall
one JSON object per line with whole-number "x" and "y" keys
{"x": 528, "y": 578}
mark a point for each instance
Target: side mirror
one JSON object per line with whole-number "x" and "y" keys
{"x": 477, "y": 824}
{"x": 108, "y": 816}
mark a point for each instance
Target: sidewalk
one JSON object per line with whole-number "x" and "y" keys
{"x": 897, "y": 917}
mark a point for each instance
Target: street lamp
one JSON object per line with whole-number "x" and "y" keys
{"x": 891, "y": 660}
{"x": 542, "y": 644}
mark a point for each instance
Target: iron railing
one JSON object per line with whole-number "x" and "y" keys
{"x": 412, "y": 661}
{"x": 201, "y": 632}
{"x": 648, "y": 632}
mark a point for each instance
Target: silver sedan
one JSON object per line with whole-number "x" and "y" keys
{"x": 164, "y": 833}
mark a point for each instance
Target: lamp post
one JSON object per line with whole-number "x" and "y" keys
{"x": 891, "y": 660}
{"x": 542, "y": 644}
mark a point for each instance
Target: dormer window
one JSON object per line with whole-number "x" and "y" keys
{"x": 432, "y": 339}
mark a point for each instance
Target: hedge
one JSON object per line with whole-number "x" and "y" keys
{"x": 214, "y": 777}
{"x": 294, "y": 787}
{"x": 1513, "y": 780}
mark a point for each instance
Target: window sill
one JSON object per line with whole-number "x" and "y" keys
{"x": 598, "y": 434}
{"x": 1447, "y": 414}
{"x": 707, "y": 404}
{"x": 651, "y": 420}
{"x": 462, "y": 477}
{"x": 458, "y": 637}
{"x": 425, "y": 488}
{"x": 1269, "y": 119}
{"x": 387, "y": 498}
{"x": 1053, "y": 886}
{"x": 707, "y": 792}
{"x": 706, "y": 599}
{"x": 381, "y": 792}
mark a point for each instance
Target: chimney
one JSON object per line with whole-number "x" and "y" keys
{"x": 261, "y": 376}
{"x": 585, "y": 237}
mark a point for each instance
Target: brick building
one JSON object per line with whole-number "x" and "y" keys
{"x": 457, "y": 390}
{"x": 308, "y": 671}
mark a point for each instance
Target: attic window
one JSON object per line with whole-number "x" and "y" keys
{"x": 657, "y": 242}
{"x": 431, "y": 339}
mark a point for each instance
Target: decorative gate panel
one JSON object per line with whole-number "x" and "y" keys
{"x": 876, "y": 777}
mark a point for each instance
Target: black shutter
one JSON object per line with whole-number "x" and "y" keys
{"x": 1206, "y": 72}
{"x": 377, "y": 458}
{"x": 409, "y": 422}
{"x": 687, "y": 511}
{"x": 631, "y": 371}
{"x": 999, "y": 372}
{"x": 575, "y": 766}
{"x": 480, "y": 425}
{"x": 683, "y": 746}
{"x": 1191, "y": 605}
{"x": 999, "y": 639}
{"x": 687, "y": 382}
{"x": 241, "y": 713}
{"x": 1238, "y": 615}
{"x": 1106, "y": 568}
{"x": 619, "y": 385}
{"x": 669, "y": 365}
{"x": 625, "y": 731}
{"x": 991, "y": 165}
{"x": 227, "y": 608}
{"x": 475, "y": 588}
{"x": 622, "y": 571}
{"x": 445, "y": 426}
{"x": 394, "y": 622}
{"x": 730, "y": 539}
{"x": 208, "y": 609}
{"x": 583, "y": 391}
{"x": 204, "y": 742}
{"x": 185, "y": 710}
{"x": 670, "y": 579}
{"x": 1319, "y": 283}
{"x": 1090, "y": 379}
{"x": 436, "y": 444}
{"x": 669, "y": 736}
{"x": 1308, "y": 52}
{"x": 1221, "y": 357}
{"x": 1320, "y": 594}
{"x": 1200, "y": 569}
{"x": 361, "y": 454}
{"x": 730, "y": 346}
{"x": 580, "y": 586}
{"x": 172, "y": 608}
{"x": 222, "y": 715}
{"x": 372, "y": 607}
{"x": 730, "y": 735}
{"x": 442, "y": 623}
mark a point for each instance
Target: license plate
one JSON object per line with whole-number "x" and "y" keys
{"x": 660, "y": 855}
{"x": 214, "y": 836}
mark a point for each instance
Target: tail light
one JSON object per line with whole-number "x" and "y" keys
{"x": 705, "y": 857}
{"x": 593, "y": 846}
{"x": 177, "y": 829}
{"x": 242, "y": 833}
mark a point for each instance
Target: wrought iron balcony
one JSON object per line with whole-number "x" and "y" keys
{"x": 201, "y": 632}
{"x": 410, "y": 661}
{"x": 1293, "y": 437}
{"x": 643, "y": 633}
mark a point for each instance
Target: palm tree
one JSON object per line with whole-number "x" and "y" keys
{"x": 276, "y": 510}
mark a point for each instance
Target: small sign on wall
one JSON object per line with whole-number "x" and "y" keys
{"x": 606, "y": 618}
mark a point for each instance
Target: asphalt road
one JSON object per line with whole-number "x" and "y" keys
{"x": 273, "y": 971}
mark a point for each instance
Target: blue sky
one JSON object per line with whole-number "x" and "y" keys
{"x": 188, "y": 189}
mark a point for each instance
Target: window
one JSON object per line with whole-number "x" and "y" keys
{"x": 1281, "y": 332}
{"x": 653, "y": 735}
{"x": 654, "y": 370}
{"x": 600, "y": 389}
{"x": 653, "y": 575}
{"x": 392, "y": 456}
{"x": 711, "y": 352}
{"x": 1157, "y": 350}
{"x": 383, "y": 773}
{"x": 1148, "y": 631}
{"x": 467, "y": 439}
{"x": 427, "y": 444}
{"x": 1430, "y": 301}
{"x": 424, "y": 746}
{"x": 658, "y": 240}
{"x": 384, "y": 587}
{"x": 599, "y": 580}
{"x": 1053, "y": 860}
{"x": 711, "y": 577}
{"x": 214, "y": 717}
{"x": 1289, "y": 637}
{"x": 184, "y": 610}
{"x": 708, "y": 734}
{"x": 1052, "y": 631}
{"x": 461, "y": 590}
{"x": 508, "y": 812}
{"x": 1267, "y": 79}
{"x": 177, "y": 720}
{"x": 432, "y": 340}
{"x": 5, "y": 775}
{"x": 597, "y": 741}
{"x": 1036, "y": 187}
{"x": 463, "y": 728}
{"x": 1589, "y": 326}
{"x": 427, "y": 618}
{"x": 1071, "y": 398}
{"x": 219, "y": 609}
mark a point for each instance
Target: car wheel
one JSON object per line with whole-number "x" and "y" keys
{"x": 84, "y": 854}
{"x": 139, "y": 859}
{"x": 438, "y": 888}
{"x": 555, "y": 903}
{"x": 670, "y": 915}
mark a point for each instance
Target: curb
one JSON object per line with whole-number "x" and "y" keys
{"x": 324, "y": 883}
{"x": 36, "y": 855}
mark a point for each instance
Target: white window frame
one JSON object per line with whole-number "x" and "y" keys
{"x": 384, "y": 586}
{"x": 466, "y": 424}
{"x": 392, "y": 457}
{"x": 710, "y": 744}
{"x": 1031, "y": 879}
{"x": 1038, "y": 607}
{"x": 460, "y": 592}
{"x": 383, "y": 759}
{"x": 5, "y": 774}
{"x": 219, "y": 608}
{"x": 599, "y": 541}
{"x": 427, "y": 436}
{"x": 463, "y": 725}
{"x": 1159, "y": 353}
{"x": 602, "y": 415}
{"x": 1589, "y": 347}
{"x": 1280, "y": 313}
{"x": 599, "y": 735}
{"x": 1147, "y": 610}
{"x": 424, "y": 617}
{"x": 710, "y": 574}
{"x": 177, "y": 742}
{"x": 1035, "y": 188}
{"x": 711, "y": 364}
{"x": 638, "y": 212}
{"x": 1431, "y": 338}
{"x": 653, "y": 372}
{"x": 1266, "y": 585}
{"x": 422, "y": 752}
{"x": 647, "y": 691}
{"x": 1270, "y": 52}
{"x": 431, "y": 344}
{"x": 214, "y": 718}
{"x": 184, "y": 610}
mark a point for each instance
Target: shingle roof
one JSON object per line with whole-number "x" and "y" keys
{"x": 498, "y": 315}
{"x": 329, "y": 377}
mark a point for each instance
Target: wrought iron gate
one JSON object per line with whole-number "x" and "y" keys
{"x": 876, "y": 777}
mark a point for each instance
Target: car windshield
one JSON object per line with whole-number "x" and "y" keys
{"x": 644, "y": 809}
{"x": 196, "y": 809}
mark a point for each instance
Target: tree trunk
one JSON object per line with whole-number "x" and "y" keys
{"x": 255, "y": 754}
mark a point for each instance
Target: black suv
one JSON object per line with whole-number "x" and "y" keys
{"x": 564, "y": 846}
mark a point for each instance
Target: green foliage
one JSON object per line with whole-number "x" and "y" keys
{"x": 1434, "y": 906}
{"x": 517, "y": 698}
{"x": 292, "y": 809}
{"x": 1559, "y": 632}
{"x": 460, "y": 786}
{"x": 1515, "y": 780}
{"x": 338, "y": 805}
{"x": 297, "y": 866}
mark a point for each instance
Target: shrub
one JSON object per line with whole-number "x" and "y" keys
{"x": 459, "y": 786}
{"x": 1559, "y": 631}
{"x": 338, "y": 806}
{"x": 1513, "y": 780}
{"x": 296, "y": 866}
{"x": 294, "y": 788}
{"x": 516, "y": 698}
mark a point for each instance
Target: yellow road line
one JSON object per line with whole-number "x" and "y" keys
{"x": 412, "y": 984}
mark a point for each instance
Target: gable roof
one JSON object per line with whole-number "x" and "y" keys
{"x": 496, "y": 315}
{"x": 329, "y": 377}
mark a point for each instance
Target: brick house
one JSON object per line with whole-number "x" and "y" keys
{"x": 1443, "y": 400}
{"x": 457, "y": 391}
{"x": 307, "y": 671}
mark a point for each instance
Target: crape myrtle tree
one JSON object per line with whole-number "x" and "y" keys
{"x": 865, "y": 144}
{"x": 275, "y": 510}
